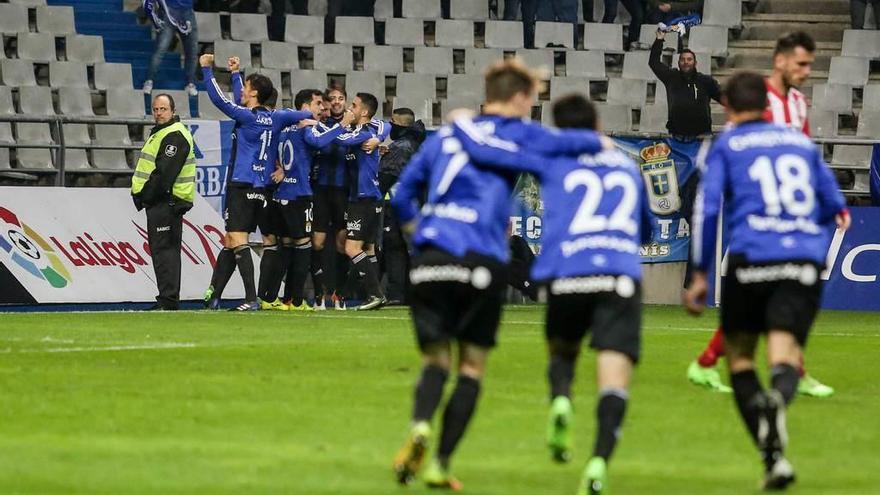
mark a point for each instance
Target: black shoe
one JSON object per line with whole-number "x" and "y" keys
{"x": 373, "y": 302}
{"x": 155, "y": 307}
{"x": 394, "y": 302}
{"x": 779, "y": 476}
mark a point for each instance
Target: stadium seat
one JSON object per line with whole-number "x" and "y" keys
{"x": 207, "y": 109}
{"x": 421, "y": 9}
{"x": 871, "y": 97}
{"x": 223, "y": 49}
{"x": 469, "y": 9}
{"x": 68, "y": 74}
{"x": 554, "y": 33}
{"x": 6, "y": 135}
{"x": 458, "y": 34}
{"x": 113, "y": 76}
{"x": 354, "y": 30}
{"x": 279, "y": 55}
{"x": 653, "y": 118}
{"x": 125, "y": 103}
{"x": 660, "y": 93}
{"x": 113, "y": 135}
{"x": 110, "y": 160}
{"x": 823, "y": 123}
{"x": 861, "y": 43}
{"x": 366, "y": 82}
{"x": 57, "y": 20}
{"x": 852, "y": 154}
{"x": 635, "y": 66}
{"x": 504, "y": 34}
{"x": 561, "y": 86}
{"x": 334, "y": 58}
{"x": 18, "y": 72}
{"x": 416, "y": 86}
{"x": 648, "y": 34}
{"x": 433, "y": 60}
{"x": 35, "y": 100}
{"x": 388, "y": 59}
{"x": 590, "y": 64}
{"x": 208, "y": 26}
{"x": 547, "y": 113}
{"x": 34, "y": 158}
{"x": 76, "y": 159}
{"x": 85, "y": 49}
{"x": 848, "y": 70}
{"x": 476, "y": 60}
{"x": 836, "y": 97}
{"x": 75, "y": 102}
{"x": 451, "y": 103}
{"x": 538, "y": 59}
{"x": 6, "y": 105}
{"x": 318, "y": 8}
{"x": 422, "y": 108}
{"x": 383, "y": 10}
{"x": 629, "y": 92}
{"x": 13, "y": 18}
{"x": 869, "y": 124}
{"x": 304, "y": 30}
{"x": 39, "y": 47}
{"x": 726, "y": 13}
{"x": 248, "y": 27}
{"x": 615, "y": 117}
{"x": 181, "y": 102}
{"x": 274, "y": 75}
{"x": 308, "y": 79}
{"x": 405, "y": 32}
{"x": 708, "y": 39}
{"x": 28, "y": 3}
{"x": 604, "y": 37}
{"x": 467, "y": 85}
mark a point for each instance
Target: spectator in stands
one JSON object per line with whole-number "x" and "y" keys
{"x": 664, "y": 10}
{"x": 279, "y": 11}
{"x": 857, "y": 13}
{"x": 588, "y": 10}
{"x": 173, "y": 18}
{"x": 529, "y": 9}
{"x": 559, "y": 11}
{"x": 636, "y": 11}
{"x": 687, "y": 93}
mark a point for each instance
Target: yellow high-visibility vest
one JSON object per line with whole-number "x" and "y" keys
{"x": 185, "y": 185}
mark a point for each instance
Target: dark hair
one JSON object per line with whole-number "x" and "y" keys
{"x": 170, "y": 99}
{"x": 687, "y": 50}
{"x": 407, "y": 113}
{"x": 506, "y": 79}
{"x": 574, "y": 111}
{"x": 305, "y": 96}
{"x": 745, "y": 91}
{"x": 273, "y": 99}
{"x": 789, "y": 41}
{"x": 263, "y": 86}
{"x": 370, "y": 102}
{"x": 335, "y": 86}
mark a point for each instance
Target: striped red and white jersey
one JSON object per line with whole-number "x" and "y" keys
{"x": 789, "y": 110}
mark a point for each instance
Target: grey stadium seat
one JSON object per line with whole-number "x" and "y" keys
{"x": 304, "y": 30}
{"x": 57, "y": 20}
{"x": 869, "y": 124}
{"x": 223, "y": 49}
{"x": 248, "y": 27}
{"x": 85, "y": 49}
{"x": 13, "y": 18}
{"x": 423, "y": 108}
{"x": 28, "y": 3}
{"x": 308, "y": 79}
{"x": 823, "y": 123}
{"x": 6, "y": 106}
{"x": 318, "y": 8}
{"x": 504, "y": 34}
{"x": 274, "y": 75}
{"x": 861, "y": 43}
{"x": 421, "y": 9}
{"x": 76, "y": 102}
{"x": 208, "y": 26}
{"x": 653, "y": 118}
{"x": 635, "y": 66}
{"x": 76, "y": 159}
{"x": 404, "y": 32}
{"x": 469, "y": 9}
{"x": 388, "y": 59}
{"x": 112, "y": 135}
{"x": 334, "y": 58}
{"x": 547, "y": 113}
{"x": 383, "y": 10}
{"x": 590, "y": 64}
{"x": 476, "y": 60}
{"x": 433, "y": 60}
{"x": 113, "y": 76}
{"x": 852, "y": 154}
{"x": 207, "y": 109}
{"x": 125, "y": 103}
{"x": 354, "y": 30}
{"x": 366, "y": 82}
{"x": 660, "y": 93}
{"x": 871, "y": 97}
{"x": 560, "y": 86}
{"x": 615, "y": 117}
{"x": 836, "y": 97}
{"x": 708, "y": 39}
{"x": 39, "y": 47}
{"x": 849, "y": 70}
{"x": 34, "y": 158}
{"x": 727, "y": 13}
{"x": 35, "y": 100}
{"x": 18, "y": 73}
{"x": 68, "y": 74}
{"x": 556, "y": 33}
{"x": 181, "y": 101}
{"x": 630, "y": 92}
{"x": 466, "y": 85}
{"x": 538, "y": 59}
{"x": 279, "y": 55}
{"x": 416, "y": 86}
{"x": 458, "y": 34}
{"x": 647, "y": 35}
{"x": 6, "y": 133}
{"x": 454, "y": 102}
{"x": 604, "y": 37}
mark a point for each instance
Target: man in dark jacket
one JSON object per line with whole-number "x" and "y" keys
{"x": 664, "y": 10}
{"x": 687, "y": 92}
{"x": 407, "y": 135}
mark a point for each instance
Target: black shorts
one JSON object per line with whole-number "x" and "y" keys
{"x": 362, "y": 220}
{"x": 245, "y": 208}
{"x": 330, "y": 204}
{"x": 296, "y": 217}
{"x": 756, "y": 298}
{"x": 608, "y": 306}
{"x": 455, "y": 298}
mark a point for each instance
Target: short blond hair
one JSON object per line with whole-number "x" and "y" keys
{"x": 510, "y": 77}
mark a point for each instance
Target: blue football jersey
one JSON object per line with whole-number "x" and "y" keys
{"x": 468, "y": 207}
{"x": 595, "y": 210}
{"x": 362, "y": 167}
{"x": 777, "y": 194}
{"x": 330, "y": 168}
{"x": 296, "y": 151}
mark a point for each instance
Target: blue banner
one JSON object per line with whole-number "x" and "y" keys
{"x": 213, "y": 148}
{"x": 875, "y": 176}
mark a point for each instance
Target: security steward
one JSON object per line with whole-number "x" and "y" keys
{"x": 164, "y": 184}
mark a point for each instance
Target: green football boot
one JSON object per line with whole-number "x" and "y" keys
{"x": 707, "y": 377}
{"x": 811, "y": 387}
{"x": 559, "y": 429}
{"x": 410, "y": 457}
{"x": 275, "y": 305}
{"x": 595, "y": 479}
{"x": 437, "y": 477}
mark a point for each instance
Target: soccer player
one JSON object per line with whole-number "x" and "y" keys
{"x": 595, "y": 219}
{"x": 457, "y": 276}
{"x": 249, "y": 174}
{"x": 778, "y": 195}
{"x": 792, "y": 63}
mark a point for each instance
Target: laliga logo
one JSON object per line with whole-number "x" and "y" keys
{"x": 846, "y": 266}
{"x": 30, "y": 251}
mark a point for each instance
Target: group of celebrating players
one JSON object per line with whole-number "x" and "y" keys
{"x": 454, "y": 196}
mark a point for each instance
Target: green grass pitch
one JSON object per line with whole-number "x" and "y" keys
{"x": 317, "y": 404}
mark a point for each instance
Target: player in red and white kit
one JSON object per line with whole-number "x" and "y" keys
{"x": 792, "y": 63}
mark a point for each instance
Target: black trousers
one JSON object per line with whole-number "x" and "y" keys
{"x": 165, "y": 235}
{"x": 395, "y": 257}
{"x": 278, "y": 17}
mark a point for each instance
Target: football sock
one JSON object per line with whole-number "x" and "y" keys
{"x": 268, "y": 268}
{"x": 282, "y": 273}
{"x": 457, "y": 415}
{"x": 222, "y": 271}
{"x": 318, "y": 273}
{"x": 713, "y": 351}
{"x": 784, "y": 378}
{"x": 300, "y": 264}
{"x": 341, "y": 276}
{"x": 246, "y": 269}
{"x": 428, "y": 392}
{"x": 609, "y": 415}
{"x": 561, "y": 375}
{"x": 372, "y": 279}
{"x": 749, "y": 399}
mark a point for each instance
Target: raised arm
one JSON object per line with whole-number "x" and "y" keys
{"x": 218, "y": 97}
{"x": 286, "y": 117}
{"x": 661, "y": 70}
{"x": 489, "y": 150}
{"x": 237, "y": 86}
{"x": 564, "y": 142}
